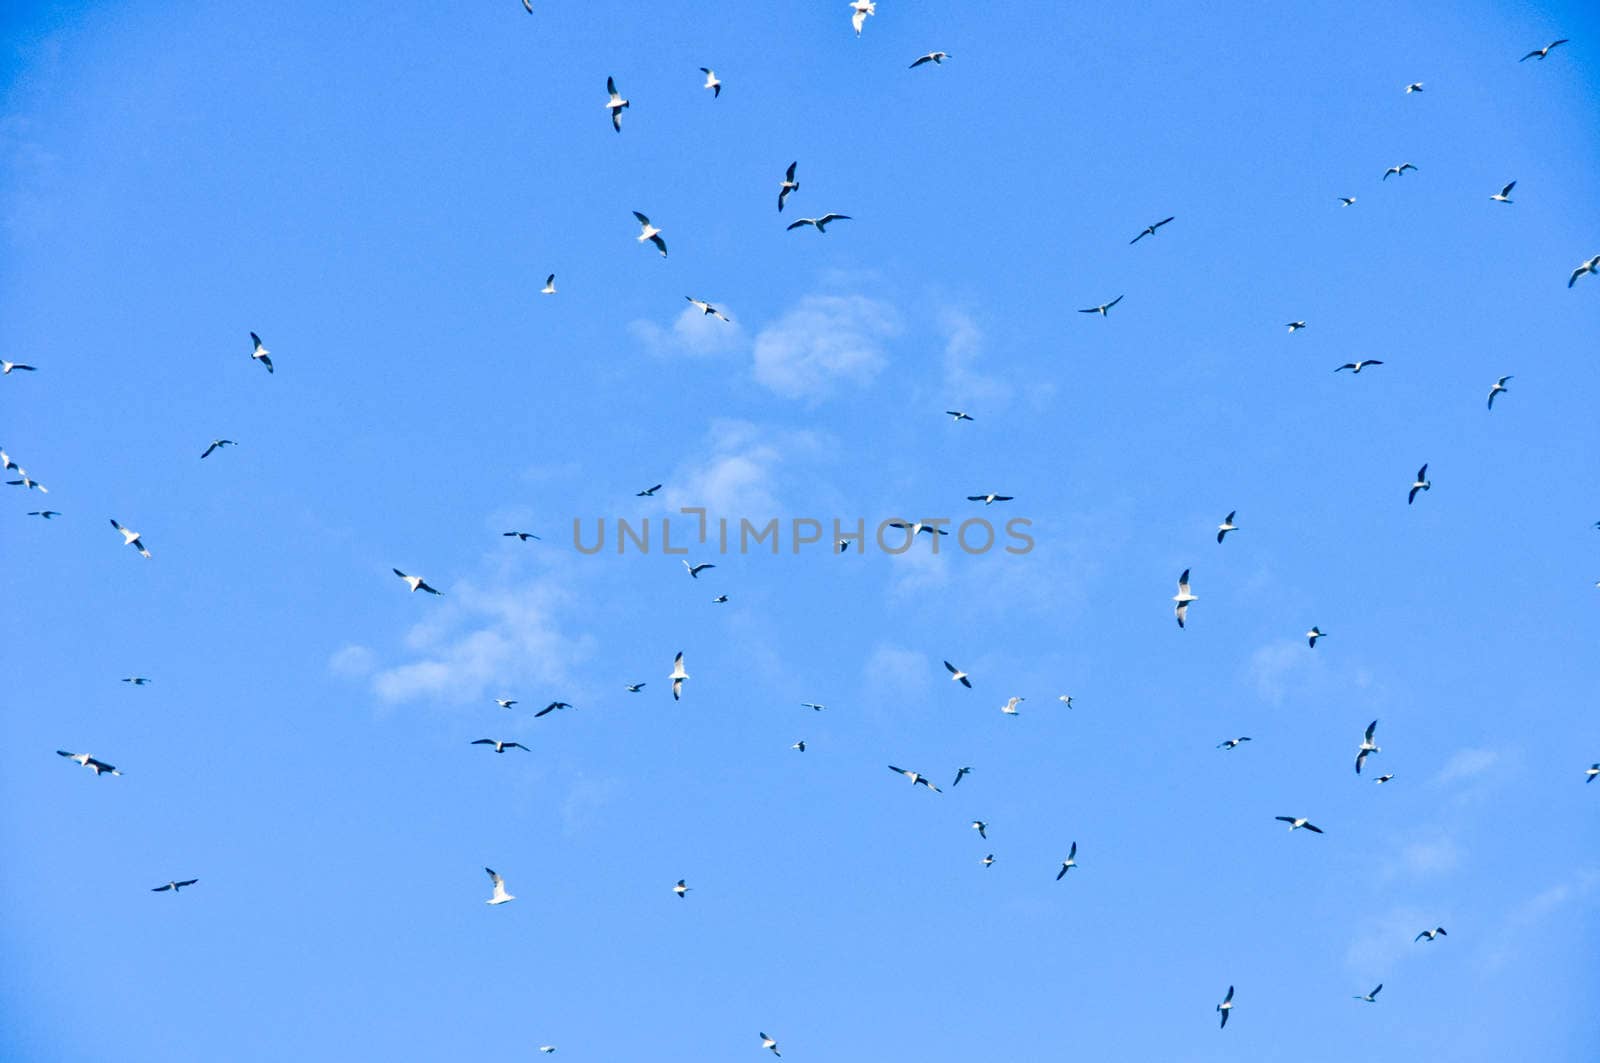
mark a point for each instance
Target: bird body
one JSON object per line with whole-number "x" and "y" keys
{"x": 1591, "y": 772}
{"x": 1497, "y": 388}
{"x": 859, "y": 10}
{"x": 678, "y": 676}
{"x": 416, "y": 583}
{"x": 1226, "y": 1007}
{"x": 958, "y": 676}
{"x": 681, "y": 889}
{"x": 1296, "y": 326}
{"x": 549, "y": 285}
{"x": 1314, "y": 634}
{"x": 917, "y": 779}
{"x": 500, "y": 895}
{"x": 1233, "y": 743}
{"x": 711, "y": 82}
{"x": 174, "y": 886}
{"x": 958, "y": 415}
{"x": 1227, "y": 525}
{"x": 1069, "y": 863}
{"x": 651, "y": 233}
{"x": 936, "y": 58}
{"x": 259, "y": 351}
{"x": 1358, "y": 366}
{"x": 1372, "y": 997}
{"x": 552, "y": 707}
{"x": 1397, "y": 171}
{"x": 1299, "y": 823}
{"x": 138, "y": 680}
{"x": 520, "y": 536}
{"x": 1149, "y": 230}
{"x": 1368, "y": 746}
{"x": 1183, "y": 598}
{"x": 695, "y": 570}
{"x": 787, "y": 185}
{"x": 1103, "y": 309}
{"x": 1347, "y": 201}
{"x": 1591, "y": 266}
{"x": 706, "y": 308}
{"x": 1010, "y": 707}
{"x": 1415, "y": 86}
{"x": 500, "y": 745}
{"x": 99, "y": 767}
{"x": 1504, "y": 195}
{"x": 962, "y": 773}
{"x": 990, "y": 499}
{"x": 1436, "y": 932}
{"x": 821, "y": 224}
{"x": 1422, "y": 483}
{"x": 982, "y": 828}
{"x": 6, "y": 367}
{"x": 217, "y": 444}
{"x": 767, "y": 1042}
{"x": 615, "y": 104}
{"x": 131, "y": 538}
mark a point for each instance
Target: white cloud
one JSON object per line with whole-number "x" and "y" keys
{"x": 1467, "y": 764}
{"x": 692, "y": 332}
{"x": 1431, "y": 857}
{"x": 353, "y": 662}
{"x": 963, "y": 349}
{"x": 737, "y": 478}
{"x": 824, "y": 340}
{"x": 1279, "y": 668}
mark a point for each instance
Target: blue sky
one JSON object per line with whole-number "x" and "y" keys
{"x": 379, "y": 191}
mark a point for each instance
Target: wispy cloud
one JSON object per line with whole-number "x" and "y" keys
{"x": 963, "y": 352}
{"x": 353, "y": 662}
{"x": 824, "y": 341}
{"x": 1509, "y": 938}
{"x": 693, "y": 333}
{"x": 738, "y": 477}
{"x": 1467, "y": 764}
{"x": 1280, "y": 668}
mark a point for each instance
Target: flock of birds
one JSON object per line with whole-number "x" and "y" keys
{"x": 650, "y": 233}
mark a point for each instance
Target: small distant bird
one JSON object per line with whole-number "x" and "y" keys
{"x": 549, "y": 285}
{"x": 1296, "y": 326}
{"x": 1497, "y": 388}
{"x": 1183, "y": 598}
{"x": 217, "y": 444}
{"x": 651, "y": 233}
{"x": 1372, "y": 997}
{"x": 1591, "y": 266}
{"x": 957, "y": 675}
{"x": 1380, "y": 780}
{"x": 1504, "y": 195}
{"x": 820, "y": 223}
{"x": 521, "y": 536}
{"x": 859, "y": 10}
{"x": 1397, "y": 171}
{"x": 1102, "y": 308}
{"x": 1591, "y": 771}
{"x": 916, "y": 527}
{"x": 1069, "y": 863}
{"x": 29, "y": 483}
{"x": 988, "y": 861}
{"x": 1368, "y": 746}
{"x": 1358, "y": 366}
{"x": 843, "y": 544}
{"x": 681, "y": 888}
{"x": 552, "y": 707}
{"x": 543, "y": 1048}
{"x": 616, "y": 104}
{"x": 800, "y": 745}
{"x": 1227, "y": 525}
{"x": 6, "y": 367}
{"x": 1065, "y": 699}
{"x": 259, "y": 351}
{"x": 1347, "y": 201}
{"x": 936, "y": 58}
{"x": 1149, "y": 230}
{"x": 719, "y": 599}
{"x": 1296, "y": 823}
{"x": 505, "y": 703}
{"x": 634, "y": 688}
{"x": 695, "y": 570}
{"x": 706, "y": 308}
{"x": 990, "y": 499}
{"x": 1010, "y": 707}
{"x": 174, "y": 886}
{"x": 1422, "y": 483}
{"x": 99, "y": 767}
{"x": 138, "y": 680}
{"x": 131, "y": 538}
{"x": 767, "y": 1042}
{"x": 1415, "y": 86}
{"x": 959, "y": 415}
{"x": 678, "y": 676}
{"x": 1233, "y": 743}
{"x": 1313, "y": 635}
{"x": 711, "y": 82}
{"x": 916, "y": 778}
{"x": 813, "y": 706}
{"x": 982, "y": 828}
{"x": 500, "y": 894}
{"x": 1436, "y": 932}
{"x": 962, "y": 773}
{"x": 501, "y": 746}
{"x": 1226, "y": 1007}
{"x": 648, "y": 492}
{"x": 1542, "y": 52}
{"x": 416, "y": 583}
{"x": 789, "y": 184}
{"x": 47, "y": 514}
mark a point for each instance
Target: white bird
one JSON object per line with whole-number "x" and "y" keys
{"x": 1422, "y": 483}
{"x": 131, "y": 538}
{"x": 174, "y": 885}
{"x": 259, "y": 352}
{"x": 706, "y": 308}
{"x": 500, "y": 745}
{"x": 767, "y": 1042}
{"x": 217, "y": 444}
{"x": 1226, "y": 1007}
{"x": 982, "y": 828}
{"x": 6, "y": 367}
{"x": 1504, "y": 195}
{"x": 1065, "y": 699}
{"x": 859, "y": 10}
{"x": 1397, "y": 171}
{"x": 1149, "y": 230}
{"x": 1497, "y": 388}
{"x": 936, "y": 58}
{"x": 958, "y": 415}
{"x": 544, "y": 1048}
{"x": 813, "y": 706}
{"x": 1591, "y": 771}
{"x": 1372, "y": 997}
{"x": 138, "y": 680}
{"x": 99, "y": 767}
{"x": 1102, "y": 308}
{"x": 711, "y": 82}
{"x": 1069, "y": 863}
{"x": 1591, "y": 266}
{"x": 651, "y": 233}
{"x": 958, "y": 676}
{"x": 988, "y": 861}
{"x": 1233, "y": 743}
{"x": 500, "y": 894}
{"x": 634, "y": 688}
{"x": 990, "y": 499}
{"x": 1296, "y": 326}
{"x": 916, "y": 527}
{"x": 789, "y": 184}
{"x": 1415, "y": 86}
{"x": 962, "y": 773}
{"x": 1368, "y": 746}
{"x": 800, "y": 745}
{"x": 916, "y": 778}
{"x": 1314, "y": 634}
{"x": 416, "y": 583}
{"x": 695, "y": 570}
{"x": 719, "y": 599}
{"x": 821, "y": 223}
{"x": 1436, "y": 932}
{"x": 1380, "y": 780}
{"x": 1010, "y": 707}
{"x": 681, "y": 888}
{"x": 1297, "y": 823}
{"x": 1542, "y": 52}
{"x": 678, "y": 676}
{"x": 549, "y": 285}
{"x": 7, "y": 463}
{"x": 1347, "y": 201}
{"x": 616, "y": 104}
{"x": 1227, "y": 525}
{"x": 505, "y": 703}
{"x": 1183, "y": 598}
{"x": 1358, "y": 366}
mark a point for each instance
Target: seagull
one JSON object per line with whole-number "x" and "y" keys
{"x": 1591, "y": 266}
{"x": 1010, "y": 707}
{"x": 1102, "y": 308}
{"x": 988, "y": 861}
{"x": 1368, "y": 746}
{"x": 957, "y": 675}
{"x": 821, "y": 223}
{"x": 174, "y": 886}
{"x": 678, "y": 676}
{"x": 259, "y": 352}
{"x": 1296, "y": 823}
{"x": 959, "y": 415}
{"x": 616, "y": 104}
{"x": 767, "y": 1042}
{"x": 416, "y": 583}
{"x": 549, "y": 285}
{"x": 6, "y": 367}
{"x": 1380, "y": 780}
{"x": 719, "y": 599}
{"x": 47, "y": 514}
{"x": 552, "y": 707}
{"x": 87, "y": 760}
{"x": 1347, "y": 201}
{"x": 936, "y": 58}
{"x": 962, "y": 773}
{"x": 634, "y": 688}
{"x": 1183, "y": 597}
{"x": 131, "y": 538}
{"x": 1422, "y": 483}
{"x": 1226, "y": 1007}
{"x": 916, "y": 779}
{"x": 1499, "y": 386}
{"x": 1505, "y": 193}
{"x": 1065, "y": 699}
{"x": 648, "y": 492}
{"x": 28, "y": 483}
{"x": 695, "y": 570}
{"x": 706, "y": 308}
{"x": 990, "y": 499}
{"x": 1397, "y": 171}
{"x": 800, "y": 745}
{"x": 1149, "y": 230}
{"x": 1233, "y": 743}
{"x": 789, "y": 184}
{"x": 505, "y": 703}
{"x": 1069, "y": 863}
{"x": 544, "y": 1048}
{"x": 1436, "y": 932}
{"x": 1591, "y": 771}
{"x": 1372, "y": 997}
{"x": 916, "y": 527}
{"x": 813, "y": 706}
{"x": 500, "y": 894}
{"x": 501, "y": 746}
{"x": 217, "y": 444}
{"x": 711, "y": 82}
{"x": 520, "y": 536}
{"x": 859, "y": 10}
{"x": 1358, "y": 366}
{"x": 680, "y": 889}
{"x": 982, "y": 828}
{"x": 7, "y": 463}
{"x": 138, "y": 680}
{"x": 1542, "y": 52}
{"x": 527, "y": 5}
{"x": 651, "y": 233}
{"x": 1296, "y": 326}
{"x": 1415, "y": 86}
{"x": 1314, "y": 634}
{"x": 1227, "y": 525}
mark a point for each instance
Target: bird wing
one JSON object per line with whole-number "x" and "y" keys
{"x": 1284, "y": 819}
{"x": 1371, "y": 727}
{"x": 642, "y": 219}
{"x": 1361, "y": 758}
{"x": 1506, "y": 191}
{"x": 919, "y": 62}
{"x": 517, "y": 745}
{"x": 812, "y": 221}
{"x": 1162, "y": 222}
{"x": 158, "y": 889}
{"x": 494, "y": 877}
{"x": 255, "y": 339}
{"x": 1063, "y": 871}
{"x": 661, "y": 245}
{"x": 483, "y": 742}
{"x": 188, "y": 882}
{"x": 1422, "y": 473}
{"x": 1313, "y": 828}
{"x": 611, "y": 86}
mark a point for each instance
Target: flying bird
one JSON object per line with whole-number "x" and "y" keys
{"x": 813, "y": 706}
{"x": 706, "y": 308}
{"x": 916, "y": 527}
{"x": 651, "y": 233}
{"x": 217, "y": 444}
{"x": 259, "y": 351}
{"x": 1380, "y": 780}
{"x": 1183, "y": 598}
{"x": 521, "y": 536}
{"x": 1102, "y": 308}
{"x": 1010, "y": 707}
{"x": 767, "y": 1042}
{"x": 1296, "y": 326}
{"x": 527, "y": 5}
{"x": 1227, "y": 525}
{"x": 1313, "y": 635}
{"x": 859, "y": 10}
{"x": 695, "y": 570}
{"x": 1415, "y": 86}
{"x": 1591, "y": 771}
{"x": 982, "y": 828}
{"x": 1591, "y": 266}
{"x": 916, "y": 778}
{"x": 648, "y": 492}
{"x": 505, "y": 703}
{"x": 990, "y": 499}
{"x": 28, "y": 483}
{"x": 1542, "y": 52}
{"x": 1233, "y": 743}
{"x": 1069, "y": 863}
{"x": 131, "y": 538}
{"x": 988, "y": 861}
{"x": 1397, "y": 171}
{"x": 959, "y": 415}
{"x": 711, "y": 82}
{"x": 615, "y": 105}
{"x": 1436, "y": 932}
{"x": 820, "y": 223}
{"x": 1372, "y": 997}
{"x": 501, "y": 746}
{"x": 1358, "y": 366}
{"x": 1226, "y": 1007}
{"x": 681, "y": 888}
{"x": 1422, "y": 483}
{"x": 634, "y": 688}
{"x": 99, "y": 767}
{"x": 1149, "y": 230}
{"x": 174, "y": 885}
{"x": 7, "y": 463}
{"x": 678, "y": 676}
{"x": 47, "y": 514}
{"x": 1296, "y": 823}
{"x": 1347, "y": 201}
{"x": 138, "y": 680}
{"x": 936, "y": 58}
{"x": 416, "y": 583}
{"x": 544, "y": 1048}
{"x": 1504, "y": 195}
{"x": 549, "y": 285}
{"x": 957, "y": 675}
{"x": 962, "y": 773}
{"x": 1368, "y": 746}
{"x": 1065, "y": 699}
{"x": 789, "y": 184}
{"x": 552, "y": 707}
{"x": 6, "y": 367}
{"x": 800, "y": 745}
{"x": 1497, "y": 388}
{"x": 500, "y": 894}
